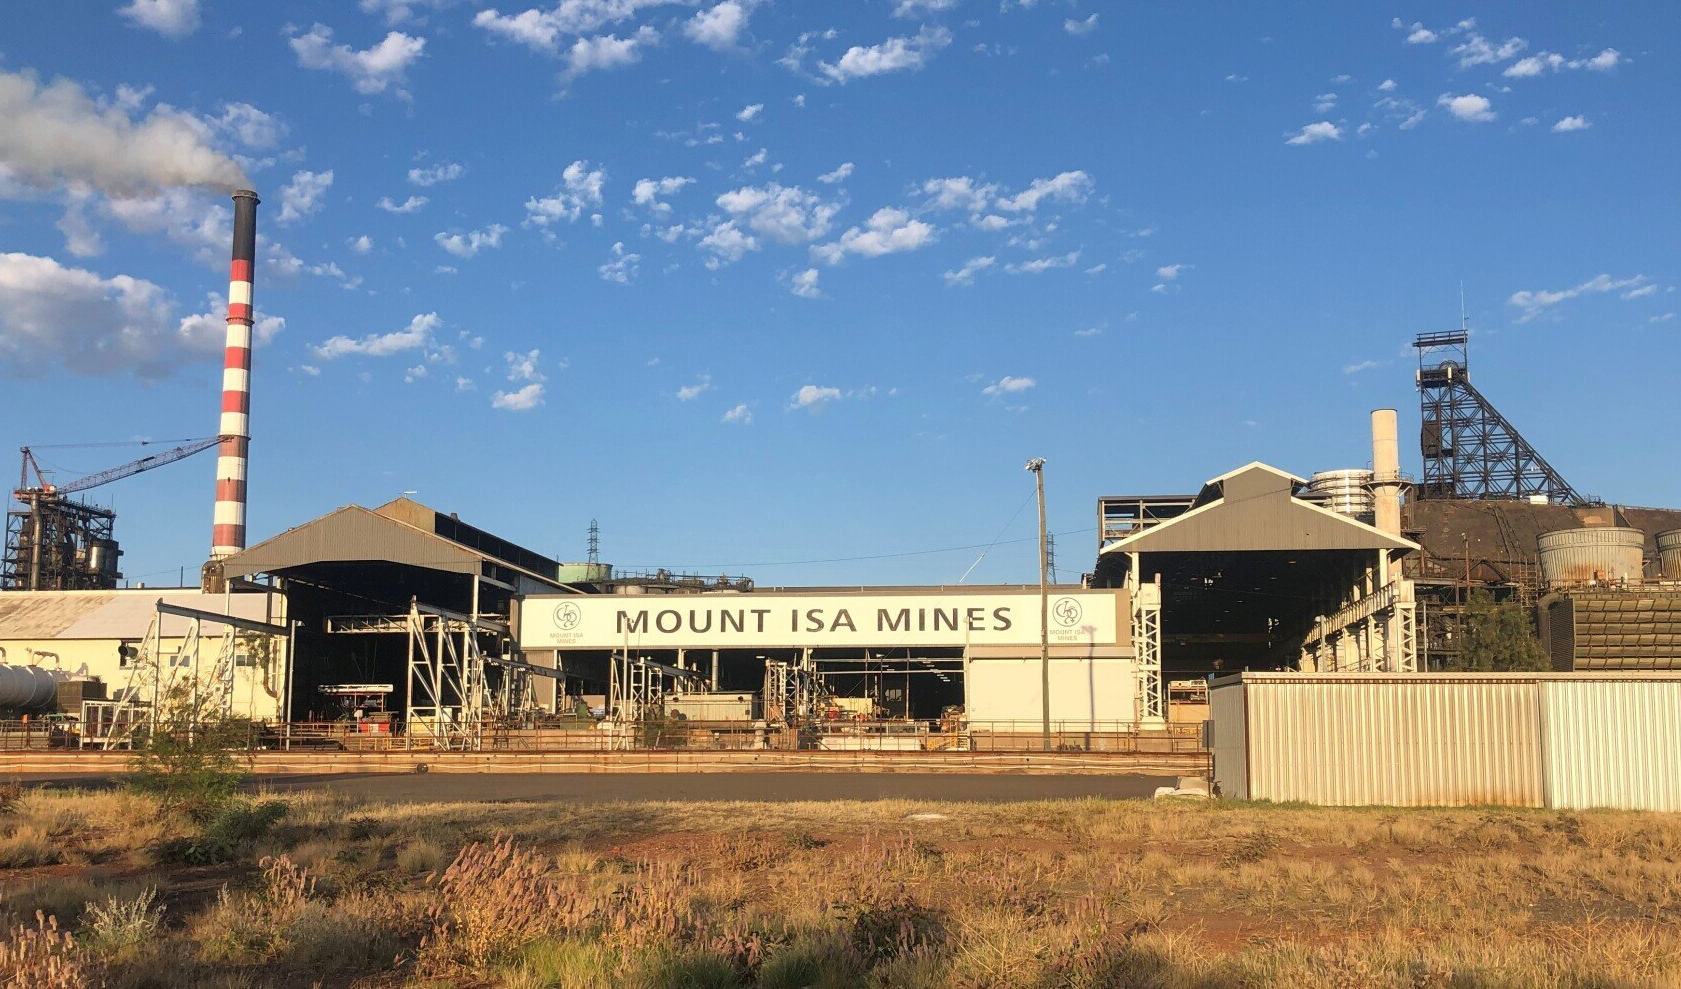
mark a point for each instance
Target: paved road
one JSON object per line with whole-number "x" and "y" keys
{"x": 773, "y": 787}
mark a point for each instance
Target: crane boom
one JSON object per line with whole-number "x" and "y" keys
{"x": 133, "y": 467}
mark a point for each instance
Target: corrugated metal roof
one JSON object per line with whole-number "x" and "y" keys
{"x": 1255, "y": 510}
{"x": 125, "y": 614}
{"x": 354, "y": 534}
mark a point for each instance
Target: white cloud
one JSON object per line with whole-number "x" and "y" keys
{"x": 750, "y": 112}
{"x": 372, "y": 70}
{"x": 1640, "y": 293}
{"x": 1314, "y": 133}
{"x": 1038, "y": 265}
{"x": 1605, "y": 61}
{"x": 1544, "y": 62}
{"x": 408, "y": 205}
{"x": 1008, "y": 385}
{"x": 842, "y": 172}
{"x": 1361, "y": 366}
{"x": 966, "y": 274}
{"x": 888, "y": 231}
{"x": 413, "y": 374}
{"x": 622, "y": 267}
{"x": 719, "y": 27}
{"x": 1568, "y": 124}
{"x": 902, "y": 54}
{"x": 1169, "y": 272}
{"x": 1072, "y": 187}
{"x": 469, "y": 244}
{"x": 756, "y": 159}
{"x": 1538, "y": 302}
{"x": 804, "y": 284}
{"x": 785, "y": 214}
{"x": 1078, "y": 27}
{"x": 741, "y": 415}
{"x": 647, "y": 192}
{"x": 447, "y": 171}
{"x": 1387, "y": 86}
{"x": 580, "y": 189}
{"x": 1477, "y": 50}
{"x": 523, "y": 400}
{"x": 247, "y": 125}
{"x": 728, "y": 242}
{"x": 543, "y": 30}
{"x": 1090, "y": 331}
{"x": 69, "y": 321}
{"x": 1470, "y": 108}
{"x": 302, "y": 197}
{"x": 922, "y": 8}
{"x": 524, "y": 367}
{"x": 362, "y": 244}
{"x": 1417, "y": 33}
{"x": 417, "y": 335}
{"x": 398, "y": 12}
{"x": 814, "y": 396}
{"x": 608, "y": 51}
{"x": 959, "y": 192}
{"x": 170, "y": 18}
{"x": 690, "y": 392}
{"x": 56, "y": 135}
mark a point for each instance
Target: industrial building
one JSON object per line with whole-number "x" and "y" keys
{"x": 906, "y": 653}
{"x": 404, "y": 622}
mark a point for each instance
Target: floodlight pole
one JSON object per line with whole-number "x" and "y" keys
{"x": 1037, "y": 466}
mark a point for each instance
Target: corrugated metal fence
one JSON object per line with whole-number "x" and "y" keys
{"x": 1531, "y": 740}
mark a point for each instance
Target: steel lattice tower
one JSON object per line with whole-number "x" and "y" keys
{"x": 1470, "y": 450}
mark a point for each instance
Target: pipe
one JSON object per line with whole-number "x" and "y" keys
{"x": 1386, "y": 472}
{"x": 228, "y": 531}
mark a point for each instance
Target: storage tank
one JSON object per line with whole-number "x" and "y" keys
{"x": 1669, "y": 554}
{"x": 1605, "y": 554}
{"x": 1346, "y": 492}
{"x": 585, "y": 573}
{"x": 29, "y": 688}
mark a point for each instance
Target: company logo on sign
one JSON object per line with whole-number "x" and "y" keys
{"x": 567, "y": 617}
{"x": 1066, "y": 612}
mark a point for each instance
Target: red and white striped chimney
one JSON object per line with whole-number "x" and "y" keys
{"x": 228, "y": 533}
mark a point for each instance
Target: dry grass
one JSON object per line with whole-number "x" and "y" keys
{"x": 1084, "y": 893}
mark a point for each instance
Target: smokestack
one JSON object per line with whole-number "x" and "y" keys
{"x": 228, "y": 533}
{"x": 1386, "y": 471}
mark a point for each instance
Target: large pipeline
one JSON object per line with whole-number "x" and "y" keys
{"x": 228, "y": 531}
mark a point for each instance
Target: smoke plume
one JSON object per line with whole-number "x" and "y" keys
{"x": 54, "y": 135}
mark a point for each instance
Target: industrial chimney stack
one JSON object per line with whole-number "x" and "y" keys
{"x": 228, "y": 533}
{"x": 1386, "y": 472}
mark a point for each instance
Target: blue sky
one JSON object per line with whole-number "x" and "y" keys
{"x": 762, "y": 283}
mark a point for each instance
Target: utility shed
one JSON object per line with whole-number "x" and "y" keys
{"x": 1419, "y": 740}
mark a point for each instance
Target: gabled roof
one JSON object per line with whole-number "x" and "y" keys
{"x": 354, "y": 534}
{"x": 1254, "y": 509}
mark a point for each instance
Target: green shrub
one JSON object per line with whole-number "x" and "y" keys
{"x": 229, "y": 834}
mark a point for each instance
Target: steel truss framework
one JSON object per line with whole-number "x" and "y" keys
{"x": 1147, "y": 642}
{"x": 153, "y": 678}
{"x": 1470, "y": 450}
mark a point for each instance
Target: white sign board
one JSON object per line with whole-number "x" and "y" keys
{"x": 753, "y": 621}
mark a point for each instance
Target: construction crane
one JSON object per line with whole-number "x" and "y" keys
{"x": 54, "y": 543}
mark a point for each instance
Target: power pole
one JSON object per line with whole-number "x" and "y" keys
{"x": 1037, "y": 466}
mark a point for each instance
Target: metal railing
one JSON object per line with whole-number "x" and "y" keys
{"x": 562, "y": 735}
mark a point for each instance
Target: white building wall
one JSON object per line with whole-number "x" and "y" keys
{"x": 1085, "y": 692}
